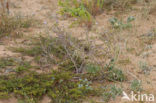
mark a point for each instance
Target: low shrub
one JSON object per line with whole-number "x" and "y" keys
{"x": 60, "y": 86}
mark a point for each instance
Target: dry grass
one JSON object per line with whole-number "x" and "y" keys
{"x": 10, "y": 25}
{"x": 4, "y": 4}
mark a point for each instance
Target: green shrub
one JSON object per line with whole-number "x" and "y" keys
{"x": 74, "y": 9}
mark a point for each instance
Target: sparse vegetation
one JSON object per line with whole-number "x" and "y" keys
{"x": 66, "y": 46}
{"x": 149, "y": 37}
{"x": 10, "y": 25}
{"x": 114, "y": 74}
{"x": 86, "y": 10}
{"x": 136, "y": 86}
{"x": 145, "y": 68}
{"x": 93, "y": 63}
{"x": 6, "y": 62}
{"x": 10, "y": 64}
{"x": 117, "y": 24}
{"x": 110, "y": 92}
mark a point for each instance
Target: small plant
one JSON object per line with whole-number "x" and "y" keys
{"x": 114, "y": 74}
{"x": 149, "y": 37}
{"x": 136, "y": 86}
{"x": 145, "y": 68}
{"x": 85, "y": 84}
{"x": 119, "y": 24}
{"x": 115, "y": 23}
{"x": 111, "y": 92}
{"x": 92, "y": 69}
{"x": 76, "y": 10}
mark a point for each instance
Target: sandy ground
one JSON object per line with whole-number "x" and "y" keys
{"x": 45, "y": 12}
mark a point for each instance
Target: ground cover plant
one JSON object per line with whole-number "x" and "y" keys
{"x": 32, "y": 86}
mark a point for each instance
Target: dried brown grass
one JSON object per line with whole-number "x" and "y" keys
{"x": 4, "y": 6}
